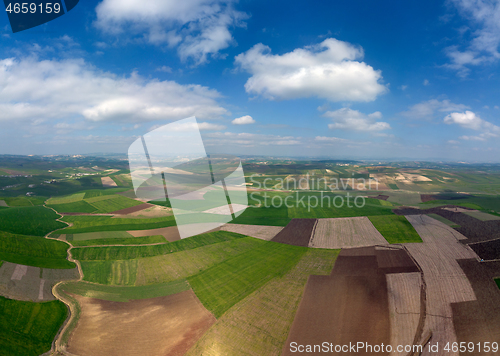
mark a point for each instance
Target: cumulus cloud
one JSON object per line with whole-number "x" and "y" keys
{"x": 348, "y": 119}
{"x": 198, "y": 28}
{"x": 329, "y": 70}
{"x": 244, "y": 120}
{"x": 483, "y": 48}
{"x": 470, "y": 120}
{"x": 427, "y": 109}
{"x": 51, "y": 89}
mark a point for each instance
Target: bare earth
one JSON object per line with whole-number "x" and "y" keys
{"x": 346, "y": 232}
{"x": 148, "y": 327}
{"x": 108, "y": 182}
{"x": 153, "y": 211}
{"x": 258, "y": 231}
{"x": 445, "y": 280}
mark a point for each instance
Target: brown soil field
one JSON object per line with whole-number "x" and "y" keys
{"x": 489, "y": 250}
{"x": 428, "y": 197}
{"x": 479, "y": 321}
{"x": 108, "y": 182}
{"x": 24, "y": 283}
{"x": 258, "y": 231}
{"x": 350, "y": 305}
{"x": 381, "y": 197}
{"x": 345, "y": 232}
{"x": 395, "y": 261}
{"x": 298, "y": 232}
{"x": 445, "y": 281}
{"x": 133, "y": 209}
{"x": 148, "y": 327}
{"x": 404, "y": 307}
{"x": 170, "y": 233}
{"x": 154, "y": 211}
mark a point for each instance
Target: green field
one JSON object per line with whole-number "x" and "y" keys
{"x": 125, "y": 294}
{"x": 443, "y": 220}
{"x": 66, "y": 199}
{"x": 222, "y": 286}
{"x": 34, "y": 221}
{"x": 101, "y": 235}
{"x": 393, "y": 186}
{"x": 83, "y": 224}
{"x": 27, "y": 328}
{"x": 109, "y": 203}
{"x": 133, "y": 252}
{"x": 260, "y": 323}
{"x": 24, "y": 201}
{"x": 395, "y": 228}
{"x": 121, "y": 241}
{"x": 33, "y": 251}
{"x": 498, "y": 282}
{"x": 76, "y": 207}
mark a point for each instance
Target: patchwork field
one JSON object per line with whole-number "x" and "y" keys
{"x": 259, "y": 324}
{"x": 345, "y": 232}
{"x": 147, "y": 240}
{"x": 488, "y": 250}
{"x": 443, "y": 220}
{"x": 82, "y": 224}
{"x": 108, "y": 182}
{"x": 480, "y": 215}
{"x": 157, "y": 326}
{"x": 171, "y": 234}
{"x": 395, "y": 228}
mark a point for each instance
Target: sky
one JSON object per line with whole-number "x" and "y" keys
{"x": 341, "y": 79}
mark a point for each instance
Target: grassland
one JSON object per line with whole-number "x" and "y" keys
{"x": 24, "y": 201}
{"x": 395, "y": 228}
{"x": 34, "y": 221}
{"x": 66, "y": 199}
{"x": 222, "y": 286}
{"x": 101, "y": 235}
{"x": 109, "y": 203}
{"x": 443, "y": 220}
{"x": 75, "y": 207}
{"x": 28, "y": 328}
{"x": 83, "y": 224}
{"x": 134, "y": 252}
{"x": 125, "y": 294}
{"x": 33, "y": 251}
{"x": 393, "y": 186}
{"x": 259, "y": 324}
{"x": 121, "y": 241}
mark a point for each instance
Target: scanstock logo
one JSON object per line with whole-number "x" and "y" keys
{"x": 170, "y": 164}
{"x": 25, "y": 14}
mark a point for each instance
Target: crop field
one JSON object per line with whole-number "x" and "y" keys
{"x": 147, "y": 240}
{"x": 224, "y": 285}
{"x": 298, "y": 232}
{"x": 170, "y": 234}
{"x": 82, "y": 224}
{"x": 33, "y": 251}
{"x": 77, "y": 207}
{"x": 125, "y": 294}
{"x": 129, "y": 252}
{"x": 257, "y": 231}
{"x": 480, "y": 215}
{"x": 24, "y": 201}
{"x": 34, "y": 221}
{"x": 259, "y": 324}
{"x": 395, "y": 228}
{"x": 165, "y": 268}
{"x": 155, "y": 327}
{"x": 488, "y": 250}
{"x": 28, "y": 328}
{"x": 443, "y": 220}
{"x": 66, "y": 200}
{"x": 101, "y": 235}
{"x": 345, "y": 232}
{"x": 109, "y": 203}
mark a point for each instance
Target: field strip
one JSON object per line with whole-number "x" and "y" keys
{"x": 262, "y": 232}
{"x": 338, "y": 233}
{"x": 40, "y": 293}
{"x": 108, "y": 182}
{"x": 170, "y": 233}
{"x": 404, "y": 307}
{"x": 445, "y": 280}
{"x": 19, "y": 272}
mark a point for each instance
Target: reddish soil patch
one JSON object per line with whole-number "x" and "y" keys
{"x": 297, "y": 232}
{"x": 350, "y": 305}
{"x": 148, "y": 327}
{"x": 489, "y": 250}
{"x": 381, "y": 197}
{"x": 428, "y": 197}
{"x": 133, "y": 209}
{"x": 479, "y": 321}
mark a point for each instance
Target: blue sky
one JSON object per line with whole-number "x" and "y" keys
{"x": 343, "y": 79}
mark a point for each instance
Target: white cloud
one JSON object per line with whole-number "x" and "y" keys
{"x": 347, "y": 119}
{"x": 403, "y": 87}
{"x": 51, "y": 89}
{"x": 249, "y": 139}
{"x": 244, "y": 120}
{"x": 470, "y": 120}
{"x": 197, "y": 28}
{"x": 165, "y": 69}
{"x": 426, "y": 82}
{"x": 483, "y": 48}
{"x": 328, "y": 70}
{"x": 427, "y": 109}
{"x": 453, "y": 142}
{"x": 329, "y": 139}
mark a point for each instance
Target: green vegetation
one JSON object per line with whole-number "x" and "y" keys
{"x": 109, "y": 203}
{"x": 443, "y": 220}
{"x": 102, "y": 235}
{"x": 166, "y": 268}
{"x": 393, "y": 186}
{"x": 28, "y": 328}
{"x": 125, "y": 294}
{"x": 222, "y": 286}
{"x": 498, "y": 282}
{"x": 24, "y": 201}
{"x": 395, "y": 228}
{"x": 133, "y": 252}
{"x": 82, "y": 224}
{"x": 121, "y": 241}
{"x": 76, "y": 207}
{"x": 34, "y": 220}
{"x": 66, "y": 199}
{"x": 34, "y": 251}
